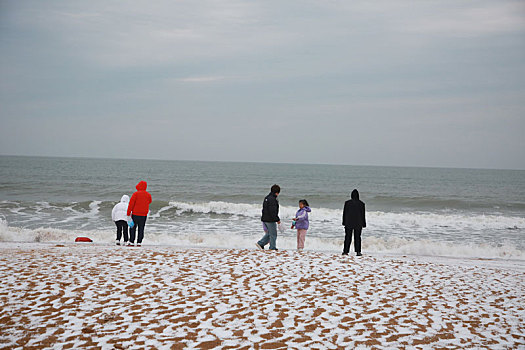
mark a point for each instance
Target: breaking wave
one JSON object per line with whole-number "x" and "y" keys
{"x": 377, "y": 219}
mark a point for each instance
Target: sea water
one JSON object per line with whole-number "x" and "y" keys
{"x": 431, "y": 211}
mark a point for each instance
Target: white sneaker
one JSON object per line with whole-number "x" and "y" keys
{"x": 117, "y": 242}
{"x": 130, "y": 244}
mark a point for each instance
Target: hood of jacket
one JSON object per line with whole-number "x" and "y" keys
{"x": 141, "y": 186}
{"x": 355, "y": 195}
{"x": 124, "y": 199}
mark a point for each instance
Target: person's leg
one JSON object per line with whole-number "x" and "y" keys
{"x": 140, "y": 222}
{"x": 126, "y": 236}
{"x": 272, "y": 231}
{"x": 119, "y": 230}
{"x": 141, "y": 229}
{"x": 301, "y": 236}
{"x": 348, "y": 239}
{"x": 132, "y": 231}
{"x": 266, "y": 238}
{"x": 357, "y": 240}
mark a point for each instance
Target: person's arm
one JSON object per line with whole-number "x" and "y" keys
{"x": 344, "y": 215}
{"x": 364, "y": 218}
{"x": 113, "y": 213}
{"x": 277, "y": 212}
{"x": 131, "y": 204}
{"x": 273, "y": 209}
{"x": 302, "y": 216}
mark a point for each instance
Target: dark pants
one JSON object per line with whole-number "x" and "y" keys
{"x": 140, "y": 222}
{"x": 122, "y": 227}
{"x": 348, "y": 239}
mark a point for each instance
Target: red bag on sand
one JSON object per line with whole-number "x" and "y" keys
{"x": 83, "y": 239}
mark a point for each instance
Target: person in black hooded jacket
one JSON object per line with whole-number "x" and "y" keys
{"x": 353, "y": 221}
{"x": 270, "y": 218}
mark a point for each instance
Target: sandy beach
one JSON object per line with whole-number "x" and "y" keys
{"x": 95, "y": 296}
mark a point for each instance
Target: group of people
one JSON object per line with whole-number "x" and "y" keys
{"x": 353, "y": 220}
{"x": 133, "y": 213}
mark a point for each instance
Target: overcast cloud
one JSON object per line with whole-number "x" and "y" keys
{"x": 416, "y": 83}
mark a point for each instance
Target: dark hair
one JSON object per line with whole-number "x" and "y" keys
{"x": 275, "y": 189}
{"x": 355, "y": 194}
{"x": 304, "y": 202}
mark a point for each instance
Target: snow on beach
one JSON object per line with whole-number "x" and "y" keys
{"x": 78, "y": 296}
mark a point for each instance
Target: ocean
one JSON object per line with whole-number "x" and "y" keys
{"x": 423, "y": 211}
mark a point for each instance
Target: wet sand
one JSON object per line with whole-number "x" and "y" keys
{"x": 88, "y": 296}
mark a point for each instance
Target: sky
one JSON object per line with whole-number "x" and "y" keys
{"x": 396, "y": 83}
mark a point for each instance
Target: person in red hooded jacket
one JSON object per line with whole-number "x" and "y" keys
{"x": 138, "y": 208}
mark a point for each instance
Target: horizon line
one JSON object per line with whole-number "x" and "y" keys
{"x": 258, "y": 162}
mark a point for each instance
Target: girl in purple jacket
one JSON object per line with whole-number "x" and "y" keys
{"x": 302, "y": 223}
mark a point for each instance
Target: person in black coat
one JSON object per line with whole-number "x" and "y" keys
{"x": 353, "y": 221}
{"x": 270, "y": 219}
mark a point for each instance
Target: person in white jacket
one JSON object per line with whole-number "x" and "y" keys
{"x": 119, "y": 216}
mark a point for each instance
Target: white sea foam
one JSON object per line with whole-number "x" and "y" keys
{"x": 371, "y": 244}
{"x": 94, "y": 206}
{"x": 237, "y": 225}
{"x": 324, "y": 219}
{"x": 377, "y": 220}
{"x": 81, "y": 216}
